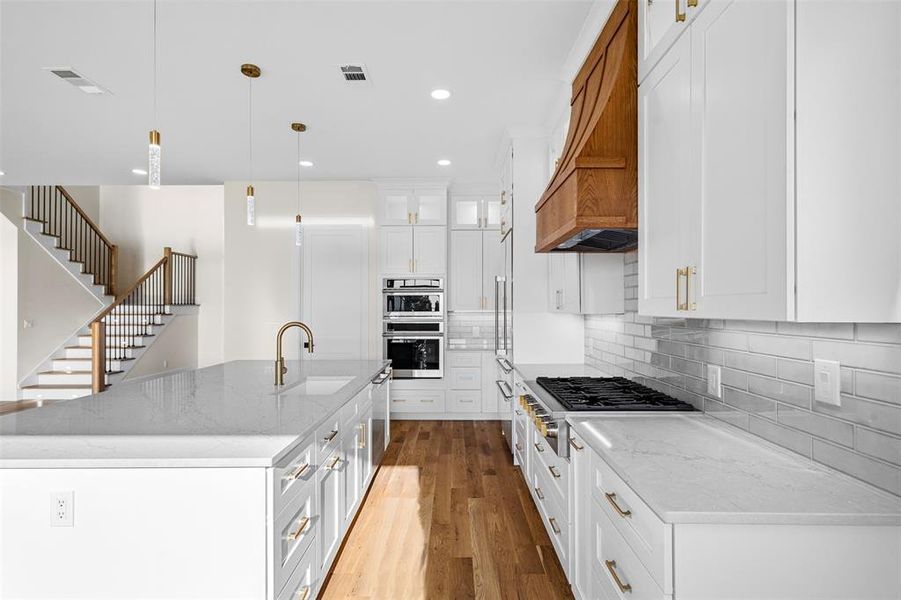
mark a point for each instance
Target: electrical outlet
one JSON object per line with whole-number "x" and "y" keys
{"x": 715, "y": 381}
{"x": 827, "y": 382}
{"x": 62, "y": 507}
{"x": 165, "y": 364}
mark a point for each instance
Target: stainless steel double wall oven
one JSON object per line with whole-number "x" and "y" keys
{"x": 413, "y": 313}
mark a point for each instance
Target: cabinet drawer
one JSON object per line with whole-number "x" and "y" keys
{"x": 464, "y": 401}
{"x": 327, "y": 437}
{"x": 302, "y": 583}
{"x": 465, "y": 378}
{"x": 415, "y": 401}
{"x": 617, "y": 565}
{"x": 648, "y": 537}
{"x": 294, "y": 531}
{"x": 464, "y": 359}
{"x": 555, "y": 518}
{"x": 293, "y": 473}
{"x": 556, "y": 469}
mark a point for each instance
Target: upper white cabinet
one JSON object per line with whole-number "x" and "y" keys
{"x": 413, "y": 206}
{"x": 407, "y": 250}
{"x": 475, "y": 212}
{"x": 505, "y": 202}
{"x": 476, "y": 259}
{"x": 585, "y": 283}
{"x": 412, "y": 231}
{"x": 749, "y": 212}
{"x": 660, "y": 23}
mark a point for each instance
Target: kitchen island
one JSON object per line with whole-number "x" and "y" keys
{"x": 211, "y": 483}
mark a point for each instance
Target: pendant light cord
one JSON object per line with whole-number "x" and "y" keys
{"x": 155, "y": 117}
{"x": 250, "y": 128}
{"x": 298, "y": 172}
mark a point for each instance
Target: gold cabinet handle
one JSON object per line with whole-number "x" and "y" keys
{"x": 503, "y": 197}
{"x": 554, "y": 525}
{"x": 331, "y": 435}
{"x": 554, "y": 471}
{"x": 692, "y": 3}
{"x": 623, "y": 587}
{"x": 304, "y": 593}
{"x": 296, "y": 473}
{"x": 539, "y": 447}
{"x": 301, "y": 527}
{"x": 362, "y": 436}
{"x": 689, "y": 271}
{"x": 539, "y": 493}
{"x": 334, "y": 463}
{"x": 680, "y": 16}
{"x": 611, "y": 498}
{"x": 415, "y": 217}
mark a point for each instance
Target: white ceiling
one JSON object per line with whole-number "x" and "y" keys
{"x": 503, "y": 61}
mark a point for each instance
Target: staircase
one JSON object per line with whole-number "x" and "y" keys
{"x": 103, "y": 351}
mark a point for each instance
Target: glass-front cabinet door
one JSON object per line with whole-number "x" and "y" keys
{"x": 429, "y": 207}
{"x": 467, "y": 212}
{"x": 397, "y": 207}
{"x": 491, "y": 212}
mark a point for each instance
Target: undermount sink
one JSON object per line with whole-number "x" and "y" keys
{"x": 320, "y": 385}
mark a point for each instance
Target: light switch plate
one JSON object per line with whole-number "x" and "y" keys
{"x": 827, "y": 382}
{"x": 715, "y": 381}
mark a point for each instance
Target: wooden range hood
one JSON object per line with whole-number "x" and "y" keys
{"x": 591, "y": 203}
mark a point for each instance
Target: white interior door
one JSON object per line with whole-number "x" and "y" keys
{"x": 664, "y": 172}
{"x": 335, "y": 291}
{"x": 740, "y": 137}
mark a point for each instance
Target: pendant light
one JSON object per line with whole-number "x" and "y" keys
{"x": 251, "y": 72}
{"x": 298, "y": 225}
{"x": 153, "y": 150}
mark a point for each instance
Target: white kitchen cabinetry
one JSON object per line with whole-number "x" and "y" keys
{"x": 580, "y": 575}
{"x": 585, "y": 283}
{"x": 475, "y": 211}
{"x": 749, "y": 212}
{"x": 409, "y": 206}
{"x": 660, "y": 23}
{"x": 408, "y": 250}
{"x": 506, "y": 198}
{"x": 476, "y": 259}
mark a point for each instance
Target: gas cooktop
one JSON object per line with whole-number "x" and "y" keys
{"x": 608, "y": 394}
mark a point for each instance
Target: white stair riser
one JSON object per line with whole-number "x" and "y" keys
{"x": 53, "y": 394}
{"x": 64, "y": 379}
{"x": 85, "y": 353}
{"x": 83, "y": 365}
{"x": 116, "y": 342}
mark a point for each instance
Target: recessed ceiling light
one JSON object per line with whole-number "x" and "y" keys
{"x": 306, "y": 163}
{"x": 443, "y": 163}
{"x": 139, "y": 171}
{"x": 440, "y": 94}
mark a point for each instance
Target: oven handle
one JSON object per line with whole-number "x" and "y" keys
{"x": 507, "y": 393}
{"x": 408, "y": 337}
{"x": 414, "y": 292}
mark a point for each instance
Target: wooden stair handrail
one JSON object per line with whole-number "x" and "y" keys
{"x": 84, "y": 216}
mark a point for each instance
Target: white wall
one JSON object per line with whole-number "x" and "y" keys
{"x": 262, "y": 264}
{"x": 9, "y": 285}
{"x": 189, "y": 219}
{"x": 49, "y": 299}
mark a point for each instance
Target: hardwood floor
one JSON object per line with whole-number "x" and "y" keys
{"x": 447, "y": 516}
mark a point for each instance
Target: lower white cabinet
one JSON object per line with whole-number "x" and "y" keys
{"x": 331, "y": 495}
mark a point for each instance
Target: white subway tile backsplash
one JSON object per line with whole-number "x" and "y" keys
{"x": 767, "y": 377}
{"x": 861, "y": 356}
{"x": 880, "y": 445}
{"x": 789, "y": 347}
{"x": 878, "y": 473}
{"x": 824, "y": 427}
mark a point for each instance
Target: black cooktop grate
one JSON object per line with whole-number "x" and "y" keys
{"x": 608, "y": 394}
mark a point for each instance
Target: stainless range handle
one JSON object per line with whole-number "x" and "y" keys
{"x": 507, "y": 393}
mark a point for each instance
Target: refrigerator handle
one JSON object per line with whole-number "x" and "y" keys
{"x": 497, "y": 281}
{"x": 505, "y": 316}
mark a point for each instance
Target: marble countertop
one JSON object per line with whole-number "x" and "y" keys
{"x": 224, "y": 415}
{"x": 694, "y": 469}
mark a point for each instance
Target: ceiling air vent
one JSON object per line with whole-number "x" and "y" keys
{"x": 355, "y": 74}
{"x": 70, "y": 75}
